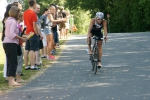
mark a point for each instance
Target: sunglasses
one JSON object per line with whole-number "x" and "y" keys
{"x": 99, "y": 19}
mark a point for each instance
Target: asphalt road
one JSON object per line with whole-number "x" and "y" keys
{"x": 125, "y": 74}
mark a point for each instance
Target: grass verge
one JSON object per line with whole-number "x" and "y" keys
{"x": 29, "y": 74}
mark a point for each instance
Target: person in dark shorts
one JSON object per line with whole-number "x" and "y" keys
{"x": 95, "y": 28}
{"x": 32, "y": 44}
{"x": 38, "y": 60}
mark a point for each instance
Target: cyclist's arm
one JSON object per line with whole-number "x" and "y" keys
{"x": 90, "y": 27}
{"x": 105, "y": 28}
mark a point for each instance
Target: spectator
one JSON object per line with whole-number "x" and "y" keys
{"x": 67, "y": 24}
{"x": 42, "y": 19}
{"x": 38, "y": 60}
{"x": 20, "y": 58}
{"x": 10, "y": 44}
{"x": 48, "y": 32}
{"x": 18, "y": 5}
{"x": 54, "y": 30}
{"x": 32, "y": 44}
{"x": 61, "y": 14}
{"x": 6, "y": 15}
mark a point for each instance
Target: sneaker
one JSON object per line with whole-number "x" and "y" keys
{"x": 51, "y": 57}
{"x": 37, "y": 67}
{"x": 43, "y": 56}
{"x": 27, "y": 67}
{"x": 57, "y": 45}
{"x": 34, "y": 68}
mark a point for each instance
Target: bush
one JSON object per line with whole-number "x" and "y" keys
{"x": 81, "y": 20}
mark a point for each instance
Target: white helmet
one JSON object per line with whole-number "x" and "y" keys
{"x": 100, "y": 15}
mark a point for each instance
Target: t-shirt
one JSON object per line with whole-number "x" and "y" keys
{"x": 29, "y": 17}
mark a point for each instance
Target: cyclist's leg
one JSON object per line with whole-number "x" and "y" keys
{"x": 89, "y": 42}
{"x": 99, "y": 52}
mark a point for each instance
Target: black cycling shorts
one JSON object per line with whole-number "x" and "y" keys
{"x": 97, "y": 33}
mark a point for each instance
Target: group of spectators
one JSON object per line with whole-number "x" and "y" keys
{"x": 37, "y": 33}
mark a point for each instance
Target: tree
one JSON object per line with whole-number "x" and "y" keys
{"x": 126, "y": 16}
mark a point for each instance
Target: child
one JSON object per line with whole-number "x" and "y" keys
{"x": 20, "y": 58}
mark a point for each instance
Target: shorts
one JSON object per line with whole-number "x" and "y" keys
{"x": 33, "y": 43}
{"x": 97, "y": 33}
{"x": 67, "y": 25}
{"x": 47, "y": 31}
{"x": 44, "y": 38}
{"x": 62, "y": 25}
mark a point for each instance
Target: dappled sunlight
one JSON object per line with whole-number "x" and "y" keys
{"x": 93, "y": 84}
{"x": 115, "y": 65}
{"x": 77, "y": 37}
{"x": 125, "y": 71}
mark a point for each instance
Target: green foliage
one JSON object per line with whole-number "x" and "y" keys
{"x": 81, "y": 20}
{"x": 126, "y": 15}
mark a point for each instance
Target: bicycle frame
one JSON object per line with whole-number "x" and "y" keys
{"x": 94, "y": 56}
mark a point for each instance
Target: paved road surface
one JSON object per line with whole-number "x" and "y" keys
{"x": 125, "y": 74}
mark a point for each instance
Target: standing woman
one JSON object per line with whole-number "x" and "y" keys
{"x": 67, "y": 24}
{"x": 95, "y": 28}
{"x": 10, "y": 44}
{"x": 48, "y": 31}
{"x": 62, "y": 14}
{"x": 6, "y": 15}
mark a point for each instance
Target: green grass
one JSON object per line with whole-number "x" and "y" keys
{"x": 28, "y": 73}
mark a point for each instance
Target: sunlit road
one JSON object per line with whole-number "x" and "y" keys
{"x": 125, "y": 74}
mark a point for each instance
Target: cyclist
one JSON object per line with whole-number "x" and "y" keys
{"x": 95, "y": 28}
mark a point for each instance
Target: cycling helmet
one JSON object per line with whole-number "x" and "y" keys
{"x": 100, "y": 15}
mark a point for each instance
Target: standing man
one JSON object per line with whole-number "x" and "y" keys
{"x": 32, "y": 44}
{"x": 38, "y": 60}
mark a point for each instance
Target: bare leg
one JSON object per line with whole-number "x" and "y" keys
{"x": 32, "y": 57}
{"x": 99, "y": 52}
{"x": 51, "y": 42}
{"x": 89, "y": 43}
{"x": 12, "y": 82}
{"x": 45, "y": 50}
{"x": 37, "y": 57}
{"x": 66, "y": 34}
{"x": 48, "y": 44}
{"x": 61, "y": 33}
{"x": 26, "y": 57}
{"x": 18, "y": 78}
